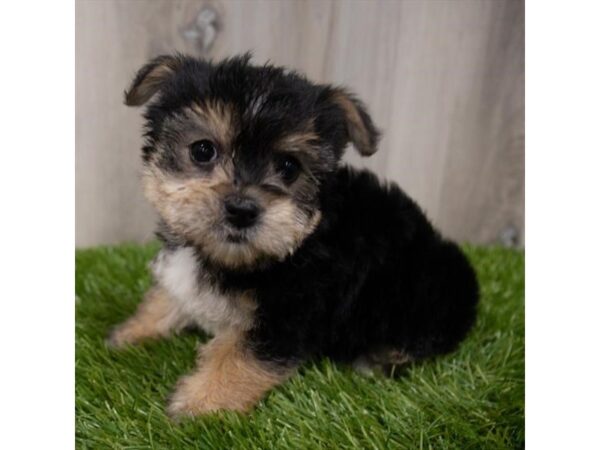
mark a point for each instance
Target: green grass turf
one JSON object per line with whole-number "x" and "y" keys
{"x": 471, "y": 399}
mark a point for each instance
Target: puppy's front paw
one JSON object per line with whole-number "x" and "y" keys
{"x": 193, "y": 396}
{"x": 185, "y": 402}
{"x": 122, "y": 335}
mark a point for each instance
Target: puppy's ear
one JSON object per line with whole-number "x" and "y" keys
{"x": 359, "y": 126}
{"x": 151, "y": 78}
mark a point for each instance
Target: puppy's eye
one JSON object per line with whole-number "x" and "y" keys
{"x": 289, "y": 168}
{"x": 203, "y": 152}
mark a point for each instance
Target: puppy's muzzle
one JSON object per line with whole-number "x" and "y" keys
{"x": 241, "y": 211}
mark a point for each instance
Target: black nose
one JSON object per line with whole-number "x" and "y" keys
{"x": 241, "y": 212}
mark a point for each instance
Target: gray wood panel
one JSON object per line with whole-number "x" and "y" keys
{"x": 444, "y": 79}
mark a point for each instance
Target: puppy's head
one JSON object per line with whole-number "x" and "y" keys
{"x": 236, "y": 155}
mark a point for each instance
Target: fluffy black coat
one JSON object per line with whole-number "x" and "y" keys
{"x": 374, "y": 275}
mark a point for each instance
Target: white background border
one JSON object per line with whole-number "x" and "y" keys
{"x": 562, "y": 224}
{"x": 37, "y": 224}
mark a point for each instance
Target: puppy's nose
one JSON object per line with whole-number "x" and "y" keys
{"x": 241, "y": 212}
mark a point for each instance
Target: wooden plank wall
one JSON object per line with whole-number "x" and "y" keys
{"x": 444, "y": 79}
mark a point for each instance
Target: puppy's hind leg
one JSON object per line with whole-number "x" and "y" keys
{"x": 382, "y": 361}
{"x": 156, "y": 316}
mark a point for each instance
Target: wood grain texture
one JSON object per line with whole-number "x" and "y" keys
{"x": 444, "y": 79}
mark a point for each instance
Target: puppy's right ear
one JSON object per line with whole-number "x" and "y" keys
{"x": 151, "y": 78}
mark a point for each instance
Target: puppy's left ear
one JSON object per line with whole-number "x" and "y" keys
{"x": 151, "y": 78}
{"x": 359, "y": 126}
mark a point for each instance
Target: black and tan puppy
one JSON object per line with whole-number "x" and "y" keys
{"x": 272, "y": 247}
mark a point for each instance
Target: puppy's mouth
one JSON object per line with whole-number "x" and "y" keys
{"x": 236, "y": 238}
{"x": 233, "y": 235}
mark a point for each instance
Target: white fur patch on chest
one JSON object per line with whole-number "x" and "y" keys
{"x": 180, "y": 274}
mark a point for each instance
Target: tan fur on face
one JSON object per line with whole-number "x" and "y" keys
{"x": 229, "y": 377}
{"x": 284, "y": 227}
{"x": 218, "y": 118}
{"x": 302, "y": 141}
{"x": 156, "y": 316}
{"x": 192, "y": 208}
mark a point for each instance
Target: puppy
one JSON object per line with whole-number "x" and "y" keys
{"x": 272, "y": 247}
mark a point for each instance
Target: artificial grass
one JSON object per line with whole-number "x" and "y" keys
{"x": 471, "y": 399}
